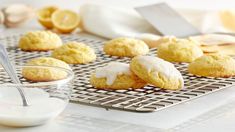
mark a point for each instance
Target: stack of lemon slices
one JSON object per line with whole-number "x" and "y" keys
{"x": 64, "y": 21}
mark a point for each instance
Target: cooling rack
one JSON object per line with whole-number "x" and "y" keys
{"x": 147, "y": 99}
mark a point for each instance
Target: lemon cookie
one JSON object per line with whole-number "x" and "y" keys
{"x": 126, "y": 47}
{"x": 214, "y": 39}
{"x": 179, "y": 50}
{"x": 216, "y": 43}
{"x": 115, "y": 75}
{"x": 164, "y": 39}
{"x": 150, "y": 39}
{"x": 74, "y": 53}
{"x": 157, "y": 72}
{"x": 213, "y": 65}
{"x": 45, "y": 74}
{"x": 39, "y": 41}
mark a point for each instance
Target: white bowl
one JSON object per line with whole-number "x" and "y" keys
{"x": 46, "y": 99}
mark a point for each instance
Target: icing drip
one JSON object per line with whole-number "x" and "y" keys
{"x": 159, "y": 65}
{"x": 111, "y": 71}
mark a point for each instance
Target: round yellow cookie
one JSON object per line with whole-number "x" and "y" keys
{"x": 45, "y": 74}
{"x": 213, "y": 65}
{"x": 150, "y": 39}
{"x": 179, "y": 50}
{"x": 39, "y": 41}
{"x": 162, "y": 40}
{"x": 74, "y": 53}
{"x": 157, "y": 72}
{"x": 115, "y": 76}
{"x": 126, "y": 47}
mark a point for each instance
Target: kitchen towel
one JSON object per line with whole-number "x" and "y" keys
{"x": 110, "y": 22}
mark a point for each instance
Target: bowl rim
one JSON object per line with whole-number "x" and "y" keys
{"x": 69, "y": 77}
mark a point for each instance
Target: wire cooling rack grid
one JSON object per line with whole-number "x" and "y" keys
{"x": 148, "y": 99}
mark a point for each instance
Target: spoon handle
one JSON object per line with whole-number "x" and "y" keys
{"x": 10, "y": 69}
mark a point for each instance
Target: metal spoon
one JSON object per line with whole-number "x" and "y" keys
{"x": 9, "y": 68}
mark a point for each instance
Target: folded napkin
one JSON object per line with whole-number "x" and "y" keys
{"x": 110, "y": 22}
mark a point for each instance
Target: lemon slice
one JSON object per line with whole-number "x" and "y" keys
{"x": 228, "y": 19}
{"x": 65, "y": 21}
{"x": 44, "y": 16}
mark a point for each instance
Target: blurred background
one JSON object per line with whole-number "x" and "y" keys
{"x": 74, "y": 4}
{"x": 195, "y": 18}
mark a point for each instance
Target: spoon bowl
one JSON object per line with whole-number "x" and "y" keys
{"x": 46, "y": 99}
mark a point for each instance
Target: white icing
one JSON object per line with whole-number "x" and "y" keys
{"x": 159, "y": 65}
{"x": 111, "y": 71}
{"x": 42, "y": 107}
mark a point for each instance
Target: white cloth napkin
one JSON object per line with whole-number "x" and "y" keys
{"x": 111, "y": 22}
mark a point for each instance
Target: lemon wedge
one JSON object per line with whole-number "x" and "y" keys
{"x": 65, "y": 21}
{"x": 228, "y": 19}
{"x": 44, "y": 16}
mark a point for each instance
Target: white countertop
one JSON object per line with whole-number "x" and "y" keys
{"x": 182, "y": 117}
{"x": 215, "y": 112}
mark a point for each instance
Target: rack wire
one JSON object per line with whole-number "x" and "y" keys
{"x": 147, "y": 99}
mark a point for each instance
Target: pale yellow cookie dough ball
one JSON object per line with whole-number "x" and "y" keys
{"x": 38, "y": 74}
{"x": 179, "y": 50}
{"x": 213, "y": 65}
{"x": 75, "y": 53}
{"x": 157, "y": 72}
{"x": 115, "y": 76}
{"x": 39, "y": 41}
{"x": 126, "y": 47}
